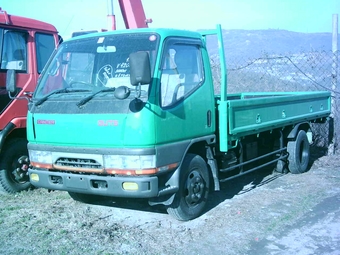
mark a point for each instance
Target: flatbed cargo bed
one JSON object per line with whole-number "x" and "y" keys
{"x": 252, "y": 113}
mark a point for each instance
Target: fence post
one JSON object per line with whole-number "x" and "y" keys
{"x": 334, "y": 120}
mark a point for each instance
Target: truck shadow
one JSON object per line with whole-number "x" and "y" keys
{"x": 317, "y": 152}
{"x": 242, "y": 185}
{"x": 228, "y": 189}
{"x": 136, "y": 204}
{"x": 251, "y": 181}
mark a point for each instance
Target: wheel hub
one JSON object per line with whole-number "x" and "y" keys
{"x": 20, "y": 172}
{"x": 195, "y": 188}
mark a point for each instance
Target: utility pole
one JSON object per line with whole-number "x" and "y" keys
{"x": 333, "y": 128}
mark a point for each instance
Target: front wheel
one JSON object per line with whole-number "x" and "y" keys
{"x": 13, "y": 167}
{"x": 192, "y": 196}
{"x": 299, "y": 153}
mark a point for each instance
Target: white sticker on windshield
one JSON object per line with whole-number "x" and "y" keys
{"x": 100, "y": 39}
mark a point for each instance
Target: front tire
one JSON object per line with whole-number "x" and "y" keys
{"x": 299, "y": 153}
{"x": 192, "y": 196}
{"x": 13, "y": 174}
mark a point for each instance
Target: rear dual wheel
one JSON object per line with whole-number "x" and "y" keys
{"x": 299, "y": 153}
{"x": 192, "y": 196}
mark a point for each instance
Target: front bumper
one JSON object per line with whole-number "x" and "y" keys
{"x": 113, "y": 186}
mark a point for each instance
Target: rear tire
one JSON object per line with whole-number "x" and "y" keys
{"x": 14, "y": 175}
{"x": 192, "y": 196}
{"x": 299, "y": 153}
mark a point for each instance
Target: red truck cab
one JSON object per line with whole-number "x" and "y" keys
{"x": 25, "y": 47}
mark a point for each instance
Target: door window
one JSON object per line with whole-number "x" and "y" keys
{"x": 14, "y": 51}
{"x": 182, "y": 71}
{"x": 45, "y": 45}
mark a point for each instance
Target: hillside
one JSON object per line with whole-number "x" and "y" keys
{"x": 249, "y": 44}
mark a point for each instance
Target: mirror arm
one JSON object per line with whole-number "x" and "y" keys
{"x": 11, "y": 85}
{"x": 18, "y": 98}
{"x": 138, "y": 90}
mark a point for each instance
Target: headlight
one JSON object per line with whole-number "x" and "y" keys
{"x": 134, "y": 165}
{"x": 129, "y": 162}
{"x": 40, "y": 159}
{"x": 130, "y": 165}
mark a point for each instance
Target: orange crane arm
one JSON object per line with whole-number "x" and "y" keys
{"x": 133, "y": 14}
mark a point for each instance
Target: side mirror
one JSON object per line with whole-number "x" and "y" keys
{"x": 11, "y": 81}
{"x": 140, "y": 71}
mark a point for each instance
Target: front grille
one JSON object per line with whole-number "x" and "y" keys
{"x": 78, "y": 163}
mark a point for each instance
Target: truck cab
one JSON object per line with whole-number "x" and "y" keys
{"x": 25, "y": 47}
{"x": 119, "y": 120}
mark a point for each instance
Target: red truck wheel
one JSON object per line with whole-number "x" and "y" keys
{"x": 299, "y": 154}
{"x": 190, "y": 200}
{"x": 14, "y": 175}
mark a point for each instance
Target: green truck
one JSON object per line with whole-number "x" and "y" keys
{"x": 134, "y": 114}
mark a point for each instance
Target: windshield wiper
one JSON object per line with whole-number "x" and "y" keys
{"x": 59, "y": 91}
{"x": 88, "y": 98}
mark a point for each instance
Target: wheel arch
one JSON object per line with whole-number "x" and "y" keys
{"x": 204, "y": 149}
{"x": 199, "y": 146}
{"x": 295, "y": 130}
{"x": 9, "y": 133}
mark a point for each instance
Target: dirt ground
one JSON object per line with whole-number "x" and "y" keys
{"x": 261, "y": 213}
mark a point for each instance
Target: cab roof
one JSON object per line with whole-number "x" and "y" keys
{"x": 23, "y": 22}
{"x": 163, "y": 32}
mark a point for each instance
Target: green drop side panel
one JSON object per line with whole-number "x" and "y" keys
{"x": 249, "y": 113}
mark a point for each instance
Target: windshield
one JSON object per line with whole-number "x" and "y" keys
{"x": 96, "y": 63}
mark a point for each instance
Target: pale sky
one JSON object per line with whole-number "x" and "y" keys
{"x": 74, "y": 15}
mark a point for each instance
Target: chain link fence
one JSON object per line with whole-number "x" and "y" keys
{"x": 305, "y": 71}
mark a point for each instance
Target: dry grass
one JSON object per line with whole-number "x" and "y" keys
{"x": 247, "y": 209}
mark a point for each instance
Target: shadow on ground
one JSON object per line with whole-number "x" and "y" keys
{"x": 228, "y": 190}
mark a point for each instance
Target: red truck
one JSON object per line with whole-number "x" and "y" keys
{"x": 25, "y": 46}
